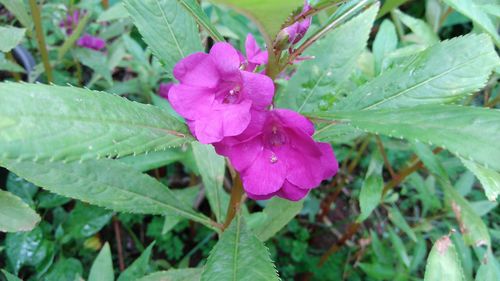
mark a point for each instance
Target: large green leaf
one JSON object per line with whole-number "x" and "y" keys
{"x": 201, "y": 18}
{"x": 268, "y": 15}
{"x": 443, "y": 262}
{"x": 166, "y": 27}
{"x": 212, "y": 168}
{"x": 67, "y": 123}
{"x": 149, "y": 161}
{"x": 469, "y": 132}
{"x": 277, "y": 213}
{"x": 15, "y": 215}
{"x": 102, "y": 268}
{"x": 106, "y": 183}
{"x": 490, "y": 180}
{"x": 239, "y": 256}
{"x": 185, "y": 274}
{"x": 317, "y": 80}
{"x": 442, "y": 73}
{"x": 472, "y": 10}
{"x": 11, "y": 37}
{"x": 371, "y": 191}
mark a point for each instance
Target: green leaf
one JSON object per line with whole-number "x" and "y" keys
{"x": 69, "y": 43}
{"x": 318, "y": 80}
{"x": 490, "y": 179}
{"x": 212, "y": 168}
{"x": 443, "y": 262}
{"x": 371, "y": 191}
{"x": 11, "y": 37}
{"x": 268, "y": 15}
{"x": 117, "y": 11}
{"x": 19, "y": 9}
{"x": 469, "y": 132}
{"x": 472, "y": 10}
{"x": 390, "y": 5}
{"x": 422, "y": 29}
{"x": 278, "y": 213}
{"x": 22, "y": 188}
{"x": 65, "y": 270}
{"x": 15, "y": 215}
{"x": 489, "y": 269}
{"x": 106, "y": 183}
{"x": 201, "y": 18}
{"x": 95, "y": 60}
{"x": 187, "y": 195}
{"x": 240, "y": 256}
{"x": 398, "y": 220}
{"x": 139, "y": 268}
{"x": 10, "y": 277}
{"x": 185, "y": 274}
{"x": 385, "y": 42}
{"x": 150, "y": 161}
{"x": 399, "y": 247}
{"x": 8, "y": 65}
{"x": 102, "y": 268}
{"x": 166, "y": 27}
{"x": 442, "y": 73}
{"x": 66, "y": 123}
{"x": 86, "y": 220}
{"x": 471, "y": 225}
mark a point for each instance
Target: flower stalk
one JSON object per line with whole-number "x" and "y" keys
{"x": 235, "y": 201}
{"x": 35, "y": 13}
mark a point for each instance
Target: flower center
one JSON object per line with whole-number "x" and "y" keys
{"x": 233, "y": 95}
{"x": 277, "y": 137}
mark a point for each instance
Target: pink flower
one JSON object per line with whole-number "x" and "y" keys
{"x": 215, "y": 96}
{"x": 91, "y": 42}
{"x": 295, "y": 32}
{"x": 255, "y": 56}
{"x": 276, "y": 156}
{"x": 163, "y": 89}
{"x": 70, "y": 22}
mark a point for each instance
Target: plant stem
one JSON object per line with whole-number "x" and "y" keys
{"x": 119, "y": 247}
{"x": 235, "y": 202}
{"x": 35, "y": 13}
{"x": 351, "y": 230}
{"x": 384, "y": 155}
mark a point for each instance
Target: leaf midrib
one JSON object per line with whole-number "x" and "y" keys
{"x": 170, "y": 29}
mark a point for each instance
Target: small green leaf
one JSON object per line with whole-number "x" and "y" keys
{"x": 335, "y": 56}
{"x": 11, "y": 37}
{"x": 239, "y": 255}
{"x": 86, "y": 220}
{"x": 66, "y": 270}
{"x": 68, "y": 123}
{"x": 19, "y": 9}
{"x": 371, "y": 191}
{"x": 268, "y": 15}
{"x": 117, "y": 11}
{"x": 201, "y": 18}
{"x": 278, "y": 213}
{"x": 139, "y": 268}
{"x": 106, "y": 183}
{"x": 389, "y": 5}
{"x": 15, "y": 215}
{"x": 399, "y": 247}
{"x": 166, "y": 27}
{"x": 443, "y": 262}
{"x": 398, "y": 220}
{"x": 95, "y": 60}
{"x": 212, "y": 168}
{"x": 102, "y": 268}
{"x": 489, "y": 269}
{"x": 185, "y": 274}
{"x": 490, "y": 179}
{"x": 442, "y": 73}
{"x": 385, "y": 42}
{"x": 469, "y": 132}
{"x": 472, "y": 10}
{"x": 422, "y": 29}
{"x": 10, "y": 277}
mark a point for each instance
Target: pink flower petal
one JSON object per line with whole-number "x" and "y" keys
{"x": 287, "y": 116}
{"x": 197, "y": 70}
{"x": 258, "y": 88}
{"x": 292, "y": 192}
{"x": 190, "y": 102}
{"x": 264, "y": 176}
{"x": 226, "y": 59}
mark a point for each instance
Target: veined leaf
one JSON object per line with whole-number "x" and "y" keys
{"x": 139, "y": 267}
{"x": 473, "y": 11}
{"x": 15, "y": 215}
{"x": 212, "y": 168}
{"x": 19, "y": 9}
{"x": 385, "y": 42}
{"x": 106, "y": 183}
{"x": 442, "y": 73}
{"x": 149, "y": 161}
{"x": 421, "y": 28}
{"x": 371, "y": 191}
{"x": 239, "y": 256}
{"x": 201, "y": 18}
{"x": 102, "y": 268}
{"x": 166, "y": 27}
{"x": 490, "y": 180}
{"x": 268, "y": 15}
{"x": 443, "y": 262}
{"x": 66, "y": 123}
{"x": 278, "y": 213}
{"x": 469, "y": 132}
{"x": 335, "y": 56}
{"x": 185, "y": 274}
{"x": 11, "y": 37}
